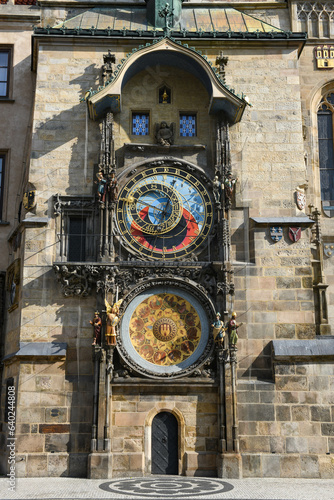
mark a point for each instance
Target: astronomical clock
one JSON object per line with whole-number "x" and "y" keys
{"x": 164, "y": 219}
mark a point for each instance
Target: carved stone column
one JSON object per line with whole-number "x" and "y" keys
{"x": 99, "y": 460}
{"x": 221, "y": 410}
{"x": 229, "y": 460}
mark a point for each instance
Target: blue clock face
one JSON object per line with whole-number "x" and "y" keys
{"x": 164, "y": 212}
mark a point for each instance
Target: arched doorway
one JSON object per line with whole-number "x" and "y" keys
{"x": 165, "y": 444}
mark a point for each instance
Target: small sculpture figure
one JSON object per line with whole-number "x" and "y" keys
{"x": 217, "y": 190}
{"x": 113, "y": 188}
{"x": 97, "y": 324}
{"x": 233, "y": 329}
{"x": 164, "y": 133}
{"x": 112, "y": 321}
{"x": 218, "y": 331}
{"x": 229, "y": 185}
{"x": 101, "y": 186}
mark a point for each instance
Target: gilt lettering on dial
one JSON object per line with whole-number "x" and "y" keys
{"x": 164, "y": 212}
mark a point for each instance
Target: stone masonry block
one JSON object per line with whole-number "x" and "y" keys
{"x": 270, "y": 465}
{"x": 56, "y": 442}
{"x": 327, "y": 429}
{"x": 326, "y": 466}
{"x": 129, "y": 419}
{"x": 30, "y": 443}
{"x": 277, "y": 444}
{"x": 309, "y": 466}
{"x": 37, "y": 465}
{"x": 296, "y": 445}
{"x": 121, "y": 461}
{"x": 288, "y": 282}
{"x": 285, "y": 331}
{"x": 320, "y": 413}
{"x": 251, "y": 465}
{"x": 56, "y": 415}
{"x": 290, "y": 466}
{"x": 292, "y": 383}
{"x": 256, "y": 412}
{"x": 289, "y": 397}
{"x": 305, "y": 331}
{"x": 230, "y": 466}
{"x": 58, "y": 465}
{"x": 136, "y": 462}
{"x": 300, "y": 413}
{"x": 283, "y": 412}
{"x": 255, "y": 444}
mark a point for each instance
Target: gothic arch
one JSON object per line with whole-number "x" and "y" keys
{"x": 315, "y": 98}
{"x": 172, "y": 53}
{"x": 165, "y": 406}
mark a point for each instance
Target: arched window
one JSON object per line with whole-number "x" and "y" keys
{"x": 326, "y": 151}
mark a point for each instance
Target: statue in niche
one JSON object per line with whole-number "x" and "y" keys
{"x": 218, "y": 331}
{"x": 164, "y": 134}
{"x": 229, "y": 185}
{"x": 97, "y": 325}
{"x": 101, "y": 186}
{"x": 113, "y": 188}
{"x": 217, "y": 190}
{"x": 233, "y": 329}
{"x": 112, "y": 321}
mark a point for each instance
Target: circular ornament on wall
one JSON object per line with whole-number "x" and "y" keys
{"x": 165, "y": 330}
{"x": 164, "y": 212}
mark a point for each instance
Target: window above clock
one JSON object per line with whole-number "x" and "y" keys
{"x": 188, "y": 125}
{"x": 140, "y": 123}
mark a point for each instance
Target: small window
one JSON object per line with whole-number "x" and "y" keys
{"x": 4, "y": 72}
{"x": 77, "y": 239}
{"x": 140, "y": 123}
{"x": 187, "y": 125}
{"x": 2, "y": 178}
{"x": 326, "y": 151}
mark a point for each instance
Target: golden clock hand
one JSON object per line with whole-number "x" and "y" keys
{"x": 151, "y": 206}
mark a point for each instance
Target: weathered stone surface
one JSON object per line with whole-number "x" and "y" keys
{"x": 270, "y": 466}
{"x": 256, "y": 412}
{"x": 230, "y": 466}
{"x": 290, "y": 466}
{"x": 56, "y": 442}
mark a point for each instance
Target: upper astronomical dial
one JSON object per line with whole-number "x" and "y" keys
{"x": 154, "y": 208}
{"x": 164, "y": 212}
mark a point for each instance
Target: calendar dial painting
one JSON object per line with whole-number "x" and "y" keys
{"x": 164, "y": 212}
{"x": 165, "y": 329}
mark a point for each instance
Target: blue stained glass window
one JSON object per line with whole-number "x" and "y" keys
{"x": 187, "y": 125}
{"x": 140, "y": 123}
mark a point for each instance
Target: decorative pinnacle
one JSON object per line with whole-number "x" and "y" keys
{"x": 166, "y": 12}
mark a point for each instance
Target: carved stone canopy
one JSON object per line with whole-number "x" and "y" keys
{"x": 167, "y": 52}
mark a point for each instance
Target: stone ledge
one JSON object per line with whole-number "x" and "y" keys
{"x": 39, "y": 349}
{"x": 33, "y": 220}
{"x": 292, "y": 350}
{"x": 283, "y": 220}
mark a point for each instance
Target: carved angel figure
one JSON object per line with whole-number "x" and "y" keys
{"x": 112, "y": 321}
{"x": 164, "y": 134}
